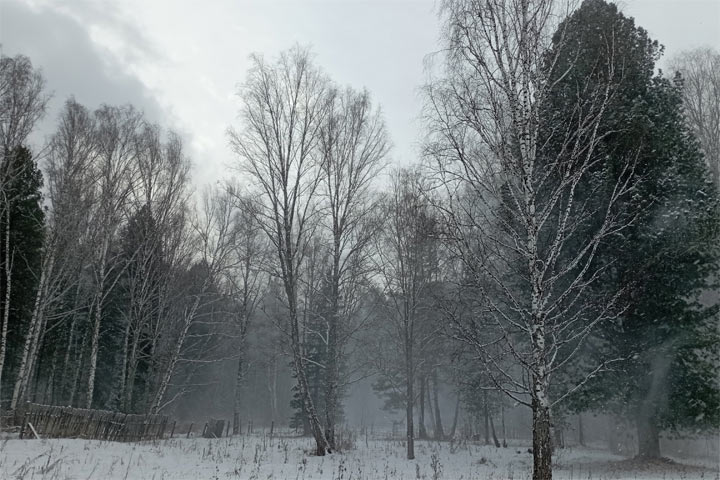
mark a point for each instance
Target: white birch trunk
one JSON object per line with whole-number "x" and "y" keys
{"x": 6, "y": 306}
{"x": 175, "y": 356}
{"x": 97, "y": 318}
{"x": 32, "y": 340}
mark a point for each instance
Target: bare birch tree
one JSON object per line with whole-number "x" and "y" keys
{"x": 528, "y": 200}
{"x": 353, "y": 145}
{"x": 22, "y": 104}
{"x": 117, "y": 133}
{"x": 407, "y": 264}
{"x": 700, "y": 70}
{"x": 209, "y": 248}
{"x": 159, "y": 200}
{"x": 283, "y": 106}
{"x": 71, "y": 194}
{"x": 244, "y": 280}
{"x": 22, "y": 100}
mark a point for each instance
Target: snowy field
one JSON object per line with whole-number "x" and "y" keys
{"x": 261, "y": 457}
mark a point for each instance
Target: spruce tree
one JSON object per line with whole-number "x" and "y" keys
{"x": 23, "y": 220}
{"x": 665, "y": 343}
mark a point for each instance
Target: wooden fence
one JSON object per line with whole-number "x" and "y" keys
{"x": 48, "y": 421}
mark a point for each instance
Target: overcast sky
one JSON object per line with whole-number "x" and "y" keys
{"x": 181, "y": 60}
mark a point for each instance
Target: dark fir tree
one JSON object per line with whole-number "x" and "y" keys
{"x": 665, "y": 342}
{"x": 21, "y": 225}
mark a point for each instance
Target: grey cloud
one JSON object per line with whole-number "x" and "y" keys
{"x": 71, "y": 63}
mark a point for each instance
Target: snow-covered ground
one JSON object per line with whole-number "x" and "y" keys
{"x": 261, "y": 457}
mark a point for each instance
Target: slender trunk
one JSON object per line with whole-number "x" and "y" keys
{"x": 35, "y": 357}
{"x": 332, "y": 378}
{"x": 306, "y": 427}
{"x": 143, "y": 398}
{"x": 239, "y": 377}
{"x": 422, "y": 433}
{"x": 321, "y": 444}
{"x": 558, "y": 434}
{"x": 429, "y": 404}
{"x": 122, "y": 380}
{"x": 299, "y": 365}
{"x": 439, "y": 432}
{"x": 64, "y": 391}
{"x": 486, "y": 417}
{"x": 167, "y": 376}
{"x": 612, "y": 442}
{"x": 78, "y": 367}
{"x": 409, "y": 395}
{"x": 648, "y": 436}
{"x": 66, "y": 358}
{"x": 494, "y": 435}
{"x": 8, "y": 264}
{"x": 273, "y": 390}
{"x": 94, "y": 349}
{"x": 30, "y": 346}
{"x": 132, "y": 363}
{"x": 50, "y": 384}
{"x": 97, "y": 318}
{"x": 502, "y": 419}
{"x": 581, "y": 433}
{"x": 453, "y": 429}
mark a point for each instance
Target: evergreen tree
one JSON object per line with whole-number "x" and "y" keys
{"x": 665, "y": 341}
{"x": 22, "y": 220}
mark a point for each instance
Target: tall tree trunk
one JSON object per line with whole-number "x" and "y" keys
{"x": 94, "y": 349}
{"x": 50, "y": 382}
{"x": 78, "y": 367}
{"x": 502, "y": 419}
{"x": 132, "y": 363}
{"x": 64, "y": 394}
{"x": 422, "y": 433}
{"x": 581, "y": 432}
{"x": 175, "y": 356}
{"x": 315, "y": 426}
{"x": 273, "y": 393}
{"x": 97, "y": 318}
{"x": 8, "y": 265}
{"x": 409, "y": 395}
{"x": 299, "y": 365}
{"x": 122, "y": 378}
{"x": 35, "y": 357}
{"x": 558, "y": 434}
{"x": 428, "y": 399}
{"x": 239, "y": 377}
{"x": 542, "y": 443}
{"x": 648, "y": 436}
{"x": 486, "y": 417}
{"x": 494, "y": 435}
{"x": 612, "y": 442}
{"x": 30, "y": 346}
{"x": 332, "y": 379}
{"x": 439, "y": 432}
{"x": 453, "y": 428}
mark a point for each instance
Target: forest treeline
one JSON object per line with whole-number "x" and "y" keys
{"x": 555, "y": 246}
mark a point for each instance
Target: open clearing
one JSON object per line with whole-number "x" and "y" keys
{"x": 262, "y": 457}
